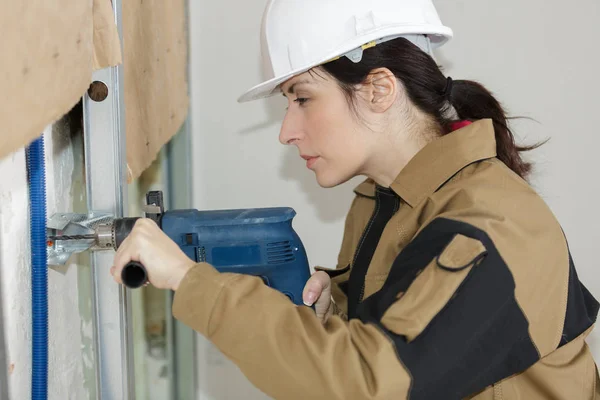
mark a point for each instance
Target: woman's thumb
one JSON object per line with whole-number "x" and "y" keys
{"x": 314, "y": 288}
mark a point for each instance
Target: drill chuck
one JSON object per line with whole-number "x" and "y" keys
{"x": 109, "y": 235}
{"x": 121, "y": 228}
{"x": 104, "y": 236}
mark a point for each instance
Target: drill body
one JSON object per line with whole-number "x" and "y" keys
{"x": 259, "y": 242}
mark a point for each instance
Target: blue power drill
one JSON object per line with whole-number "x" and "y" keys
{"x": 258, "y": 241}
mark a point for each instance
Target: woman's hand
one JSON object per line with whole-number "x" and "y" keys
{"x": 166, "y": 264}
{"x": 318, "y": 288}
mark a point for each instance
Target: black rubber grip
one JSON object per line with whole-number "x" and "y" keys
{"x": 134, "y": 275}
{"x": 122, "y": 228}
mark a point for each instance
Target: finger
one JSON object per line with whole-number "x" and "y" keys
{"x": 323, "y": 303}
{"x": 127, "y": 252}
{"x": 314, "y": 287}
{"x": 312, "y": 290}
{"x": 323, "y": 308}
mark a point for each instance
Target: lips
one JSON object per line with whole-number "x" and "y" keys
{"x": 310, "y": 160}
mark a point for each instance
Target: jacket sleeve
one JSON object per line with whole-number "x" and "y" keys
{"x": 446, "y": 324}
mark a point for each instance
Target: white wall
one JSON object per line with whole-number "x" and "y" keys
{"x": 542, "y": 61}
{"x": 70, "y": 372}
{"x": 540, "y": 58}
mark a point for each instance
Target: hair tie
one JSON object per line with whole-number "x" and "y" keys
{"x": 456, "y": 125}
{"x": 448, "y": 89}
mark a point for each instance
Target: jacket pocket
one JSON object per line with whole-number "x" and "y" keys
{"x": 434, "y": 287}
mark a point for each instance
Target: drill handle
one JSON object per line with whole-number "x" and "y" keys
{"x": 134, "y": 275}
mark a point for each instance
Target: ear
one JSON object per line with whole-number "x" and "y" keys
{"x": 380, "y": 89}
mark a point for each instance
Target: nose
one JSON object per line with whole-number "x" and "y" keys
{"x": 291, "y": 128}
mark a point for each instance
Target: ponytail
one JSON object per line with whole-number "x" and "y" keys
{"x": 434, "y": 94}
{"x": 472, "y": 102}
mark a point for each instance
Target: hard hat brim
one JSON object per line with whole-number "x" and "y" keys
{"x": 270, "y": 87}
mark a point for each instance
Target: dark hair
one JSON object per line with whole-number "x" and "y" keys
{"x": 426, "y": 86}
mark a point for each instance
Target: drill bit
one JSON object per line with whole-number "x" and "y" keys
{"x": 72, "y": 237}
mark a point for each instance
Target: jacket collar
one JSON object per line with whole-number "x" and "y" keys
{"x": 438, "y": 161}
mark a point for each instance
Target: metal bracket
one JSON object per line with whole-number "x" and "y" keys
{"x": 70, "y": 224}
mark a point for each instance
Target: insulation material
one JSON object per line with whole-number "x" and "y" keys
{"x": 107, "y": 47}
{"x": 155, "y": 63}
{"x": 50, "y": 53}
{"x": 49, "y": 49}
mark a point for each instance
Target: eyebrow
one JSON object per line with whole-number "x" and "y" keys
{"x": 300, "y": 82}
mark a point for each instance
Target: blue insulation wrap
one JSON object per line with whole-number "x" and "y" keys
{"x": 39, "y": 269}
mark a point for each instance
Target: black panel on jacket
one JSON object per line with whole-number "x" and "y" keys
{"x": 387, "y": 203}
{"x": 333, "y": 273}
{"x": 582, "y": 308}
{"x": 480, "y": 337}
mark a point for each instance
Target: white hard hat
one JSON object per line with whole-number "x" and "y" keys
{"x": 298, "y": 35}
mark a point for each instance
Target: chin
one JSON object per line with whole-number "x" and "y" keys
{"x": 330, "y": 180}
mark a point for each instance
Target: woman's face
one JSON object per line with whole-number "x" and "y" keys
{"x": 321, "y": 124}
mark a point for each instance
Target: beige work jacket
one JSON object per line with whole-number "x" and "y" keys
{"x": 456, "y": 282}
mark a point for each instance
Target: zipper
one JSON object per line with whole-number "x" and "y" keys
{"x": 373, "y": 216}
{"x": 362, "y": 292}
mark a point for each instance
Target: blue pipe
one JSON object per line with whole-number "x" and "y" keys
{"x": 39, "y": 269}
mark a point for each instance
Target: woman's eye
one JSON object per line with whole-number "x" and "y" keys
{"x": 301, "y": 100}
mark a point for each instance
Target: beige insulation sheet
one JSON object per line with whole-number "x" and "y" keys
{"x": 49, "y": 49}
{"x": 47, "y": 54}
{"x": 156, "y": 94}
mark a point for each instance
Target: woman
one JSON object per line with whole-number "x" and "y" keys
{"x": 454, "y": 279}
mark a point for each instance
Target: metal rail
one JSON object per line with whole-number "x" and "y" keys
{"x": 105, "y": 162}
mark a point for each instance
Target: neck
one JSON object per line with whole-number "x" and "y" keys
{"x": 394, "y": 152}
